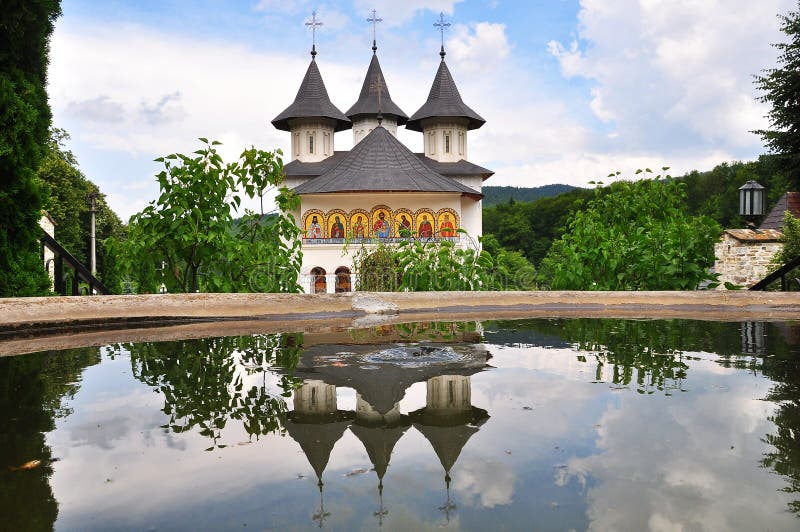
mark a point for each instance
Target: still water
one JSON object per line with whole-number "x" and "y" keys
{"x": 579, "y": 424}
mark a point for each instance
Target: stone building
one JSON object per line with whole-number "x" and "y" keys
{"x": 744, "y": 255}
{"x": 380, "y": 190}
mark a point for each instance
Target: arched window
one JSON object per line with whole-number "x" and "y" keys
{"x": 343, "y": 283}
{"x": 320, "y": 286}
{"x": 311, "y": 143}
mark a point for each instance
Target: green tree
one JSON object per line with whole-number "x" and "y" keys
{"x": 67, "y": 203}
{"x": 635, "y": 235}
{"x": 190, "y": 227}
{"x": 25, "y": 28}
{"x": 779, "y": 88}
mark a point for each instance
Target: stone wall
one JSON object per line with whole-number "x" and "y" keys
{"x": 743, "y": 255}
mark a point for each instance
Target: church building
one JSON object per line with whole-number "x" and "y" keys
{"x": 379, "y": 190}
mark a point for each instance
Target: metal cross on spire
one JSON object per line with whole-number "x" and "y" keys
{"x": 442, "y": 25}
{"x": 378, "y": 85}
{"x": 313, "y": 24}
{"x": 374, "y": 20}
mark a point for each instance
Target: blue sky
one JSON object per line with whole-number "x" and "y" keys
{"x": 571, "y": 89}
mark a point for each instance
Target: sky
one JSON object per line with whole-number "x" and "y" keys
{"x": 571, "y": 90}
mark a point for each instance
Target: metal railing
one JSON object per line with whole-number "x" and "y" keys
{"x": 81, "y": 273}
{"x": 780, "y": 273}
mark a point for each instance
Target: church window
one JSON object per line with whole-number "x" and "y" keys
{"x": 326, "y": 140}
{"x": 432, "y": 143}
{"x": 311, "y": 143}
{"x": 297, "y": 144}
{"x": 461, "y": 142}
{"x": 447, "y": 142}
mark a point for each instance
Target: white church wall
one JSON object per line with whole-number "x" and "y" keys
{"x": 445, "y": 140}
{"x": 363, "y": 126}
{"x": 471, "y": 217}
{"x": 312, "y": 140}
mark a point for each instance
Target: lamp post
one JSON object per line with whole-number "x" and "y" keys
{"x": 93, "y": 251}
{"x": 752, "y": 202}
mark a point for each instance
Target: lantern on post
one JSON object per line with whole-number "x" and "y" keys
{"x": 752, "y": 201}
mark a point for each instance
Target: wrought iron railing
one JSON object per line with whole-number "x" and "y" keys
{"x": 393, "y": 240}
{"x": 81, "y": 273}
{"x": 780, "y": 273}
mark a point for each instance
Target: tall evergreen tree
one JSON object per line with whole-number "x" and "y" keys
{"x": 781, "y": 88}
{"x": 25, "y": 29}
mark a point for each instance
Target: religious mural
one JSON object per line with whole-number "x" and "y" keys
{"x": 313, "y": 222}
{"x": 380, "y": 222}
{"x": 447, "y": 222}
{"x": 336, "y": 220}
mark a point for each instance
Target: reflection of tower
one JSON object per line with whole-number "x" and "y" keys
{"x": 379, "y": 433}
{"x": 448, "y": 421}
{"x": 316, "y": 424}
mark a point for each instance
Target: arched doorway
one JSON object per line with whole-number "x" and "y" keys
{"x": 343, "y": 283}
{"x": 319, "y": 285}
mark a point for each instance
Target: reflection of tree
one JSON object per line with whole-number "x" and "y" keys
{"x": 783, "y": 367}
{"x": 203, "y": 381}
{"x": 32, "y": 393}
{"x": 650, "y": 352}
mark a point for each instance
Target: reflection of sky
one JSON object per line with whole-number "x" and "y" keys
{"x": 558, "y": 452}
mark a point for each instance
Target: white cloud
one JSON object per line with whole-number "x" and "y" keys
{"x": 674, "y": 74}
{"x": 479, "y": 47}
{"x": 100, "y": 109}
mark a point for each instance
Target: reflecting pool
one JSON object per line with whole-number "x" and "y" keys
{"x": 568, "y": 424}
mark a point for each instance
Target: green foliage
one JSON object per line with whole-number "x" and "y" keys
{"x": 420, "y": 265}
{"x": 633, "y": 236}
{"x": 530, "y": 228}
{"x": 190, "y": 227}
{"x": 779, "y": 88}
{"x": 791, "y": 241}
{"x": 68, "y": 204}
{"x": 25, "y": 27}
{"x": 494, "y": 195}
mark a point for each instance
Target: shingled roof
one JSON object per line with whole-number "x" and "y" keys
{"x": 462, "y": 168}
{"x": 444, "y": 100}
{"x": 312, "y": 101}
{"x": 788, "y": 202}
{"x": 367, "y": 103}
{"x": 381, "y": 163}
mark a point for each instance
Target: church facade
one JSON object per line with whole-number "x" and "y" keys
{"x": 379, "y": 190}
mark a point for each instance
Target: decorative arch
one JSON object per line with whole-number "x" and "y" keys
{"x": 447, "y": 222}
{"x": 308, "y": 220}
{"x": 358, "y": 224}
{"x": 336, "y": 223}
{"x": 425, "y": 223}
{"x": 403, "y": 223}
{"x": 381, "y": 222}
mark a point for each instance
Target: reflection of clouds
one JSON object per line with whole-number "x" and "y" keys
{"x": 688, "y": 464}
{"x": 488, "y": 481}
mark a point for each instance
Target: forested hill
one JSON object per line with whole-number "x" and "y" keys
{"x": 495, "y": 195}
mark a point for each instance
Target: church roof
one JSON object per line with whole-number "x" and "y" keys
{"x": 444, "y": 100}
{"x": 312, "y": 101}
{"x": 367, "y": 103}
{"x": 462, "y": 168}
{"x": 381, "y": 163}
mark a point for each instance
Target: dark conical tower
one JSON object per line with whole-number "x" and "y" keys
{"x": 312, "y": 119}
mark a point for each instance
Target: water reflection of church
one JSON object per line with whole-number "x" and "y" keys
{"x": 448, "y": 420}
